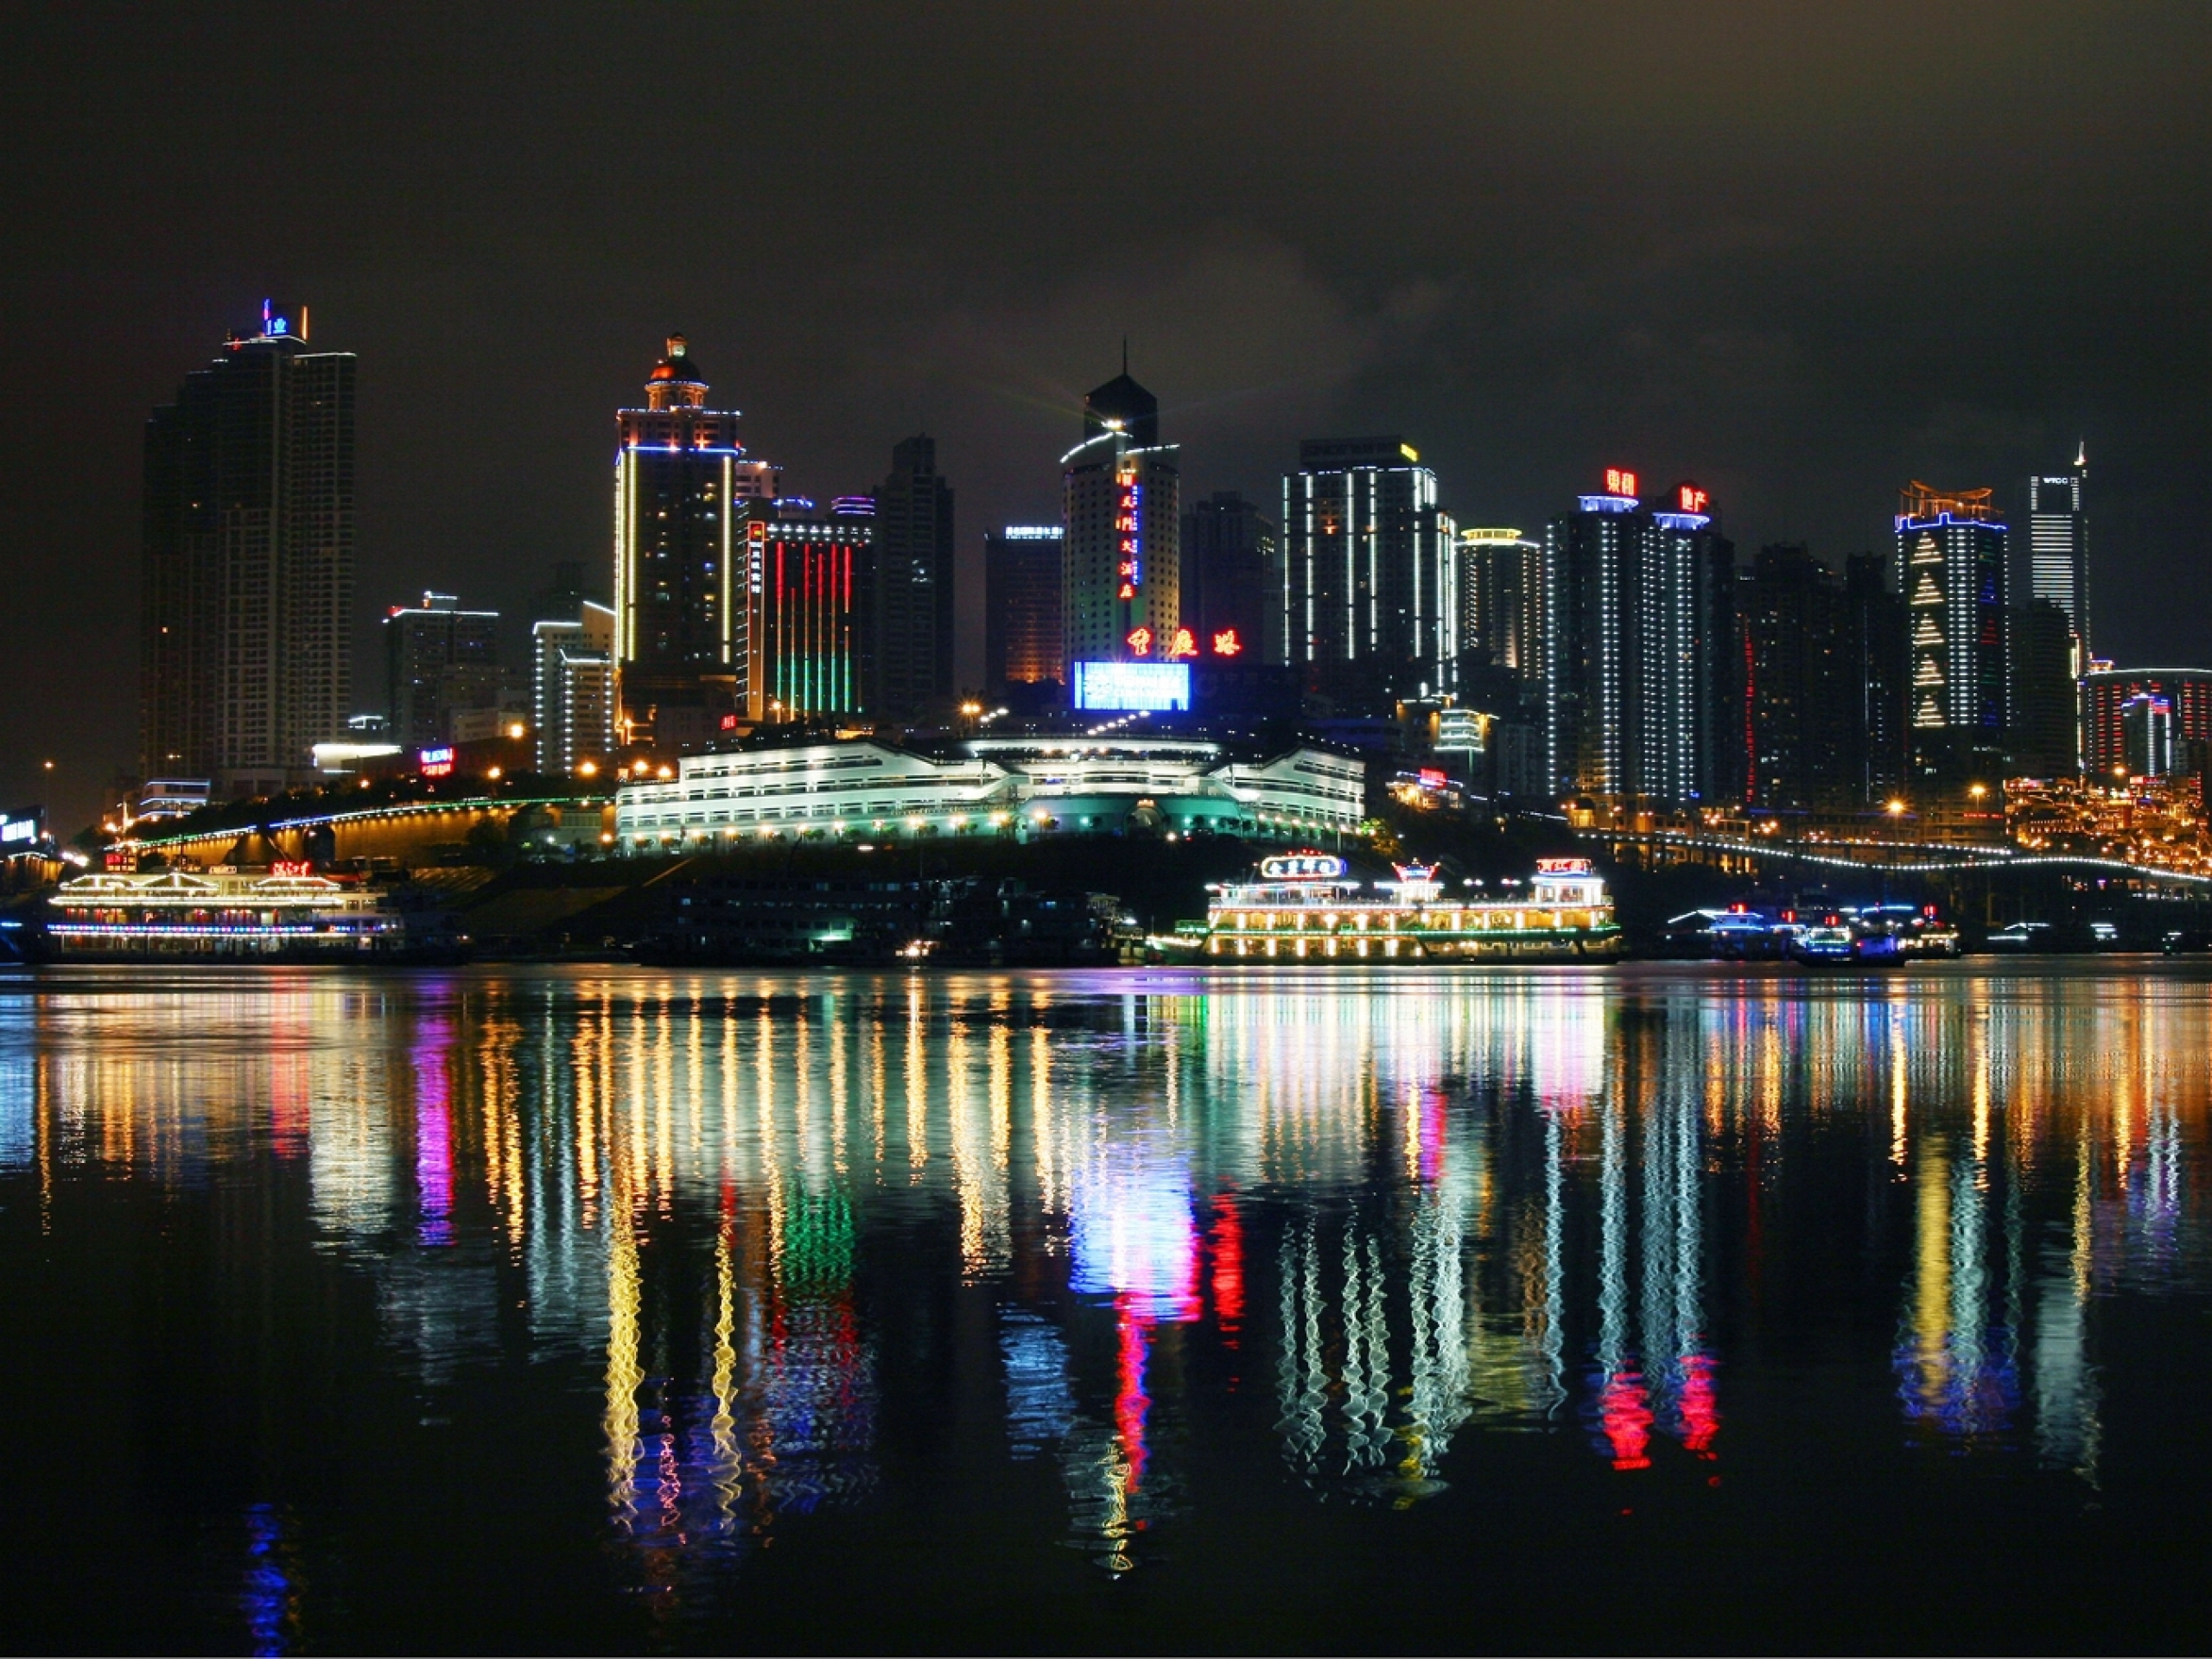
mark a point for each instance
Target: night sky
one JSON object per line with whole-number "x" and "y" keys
{"x": 1800, "y": 251}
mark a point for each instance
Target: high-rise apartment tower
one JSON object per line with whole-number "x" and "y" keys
{"x": 1370, "y": 574}
{"x": 683, "y": 582}
{"x": 245, "y": 650}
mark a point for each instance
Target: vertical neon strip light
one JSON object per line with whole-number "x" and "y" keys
{"x": 729, "y": 504}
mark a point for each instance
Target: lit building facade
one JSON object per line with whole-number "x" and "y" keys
{"x": 1370, "y": 574}
{"x": 804, "y": 626}
{"x": 908, "y": 623}
{"x": 245, "y": 652}
{"x": 1641, "y": 659}
{"x": 573, "y": 690}
{"x": 1120, "y": 554}
{"x": 2105, "y": 694}
{"x": 1502, "y": 601}
{"x": 2146, "y": 730}
{"x": 1951, "y": 568}
{"x": 683, "y": 589}
{"x": 423, "y": 645}
{"x": 1028, "y": 787}
{"x": 1022, "y": 643}
{"x": 2058, "y": 549}
{"x": 1232, "y": 577}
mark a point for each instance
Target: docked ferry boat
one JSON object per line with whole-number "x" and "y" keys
{"x": 1305, "y": 907}
{"x": 262, "y": 916}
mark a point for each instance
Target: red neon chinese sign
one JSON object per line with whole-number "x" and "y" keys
{"x": 1693, "y": 499}
{"x": 1129, "y": 534}
{"x": 1182, "y": 643}
{"x": 1619, "y": 482}
{"x": 1226, "y": 643}
{"x": 291, "y": 867}
{"x": 1140, "y": 642}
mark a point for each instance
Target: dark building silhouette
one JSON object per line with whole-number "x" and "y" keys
{"x": 437, "y": 657}
{"x": 685, "y": 576}
{"x": 245, "y": 658}
{"x": 2044, "y": 699}
{"x": 561, "y": 599}
{"x": 1642, "y": 660}
{"x": 1370, "y": 575}
{"x": 1232, "y": 579}
{"x": 908, "y": 614}
{"x": 1876, "y": 645}
{"x": 1022, "y": 644}
{"x": 1799, "y": 697}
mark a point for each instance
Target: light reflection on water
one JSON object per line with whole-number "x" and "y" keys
{"x": 1379, "y": 1219}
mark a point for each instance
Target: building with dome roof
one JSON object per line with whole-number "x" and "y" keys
{"x": 682, "y": 580}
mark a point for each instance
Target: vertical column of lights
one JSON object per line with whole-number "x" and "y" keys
{"x": 624, "y": 484}
{"x": 1129, "y": 549}
{"x": 1371, "y": 488}
{"x": 1421, "y": 637}
{"x": 730, "y": 515}
{"x": 1928, "y": 647}
{"x": 1609, "y": 653}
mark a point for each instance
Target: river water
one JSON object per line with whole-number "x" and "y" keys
{"x": 1657, "y": 1306}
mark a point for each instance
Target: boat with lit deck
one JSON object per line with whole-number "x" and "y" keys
{"x": 1307, "y": 906}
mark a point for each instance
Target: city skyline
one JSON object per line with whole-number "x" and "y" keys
{"x": 1572, "y": 275}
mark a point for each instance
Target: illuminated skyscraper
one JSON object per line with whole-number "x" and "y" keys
{"x": 909, "y": 611}
{"x": 573, "y": 688}
{"x": 805, "y": 629}
{"x": 681, "y": 585}
{"x": 2058, "y": 549}
{"x": 245, "y": 657}
{"x": 1371, "y": 593}
{"x": 1120, "y": 580}
{"x": 2106, "y": 695}
{"x": 1501, "y": 600}
{"x": 1641, "y": 659}
{"x": 2146, "y": 725}
{"x": 1021, "y": 607}
{"x": 1950, "y": 560}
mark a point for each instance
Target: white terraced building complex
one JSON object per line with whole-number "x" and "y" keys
{"x": 1023, "y": 787}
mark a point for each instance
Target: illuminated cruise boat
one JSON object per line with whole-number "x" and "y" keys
{"x": 1306, "y": 906}
{"x": 287, "y": 915}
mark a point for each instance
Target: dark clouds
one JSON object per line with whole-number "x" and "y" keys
{"x": 1802, "y": 252}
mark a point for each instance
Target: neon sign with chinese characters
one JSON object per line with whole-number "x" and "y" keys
{"x": 1129, "y": 528}
{"x": 1692, "y": 499}
{"x": 1181, "y": 643}
{"x": 1619, "y": 482}
{"x": 434, "y": 763}
{"x": 1226, "y": 643}
{"x": 1301, "y": 867}
{"x": 1138, "y": 642}
{"x": 291, "y": 867}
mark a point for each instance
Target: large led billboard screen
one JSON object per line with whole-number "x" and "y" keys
{"x": 1127, "y": 687}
